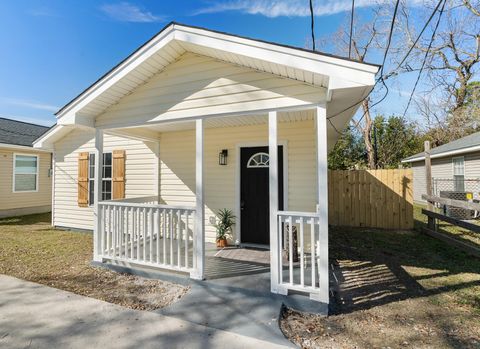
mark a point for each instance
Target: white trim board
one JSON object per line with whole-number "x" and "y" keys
{"x": 238, "y": 147}
{"x": 445, "y": 154}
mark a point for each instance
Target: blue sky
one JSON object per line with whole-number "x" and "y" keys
{"x": 51, "y": 50}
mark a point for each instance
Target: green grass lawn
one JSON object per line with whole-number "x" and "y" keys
{"x": 31, "y": 249}
{"x": 396, "y": 289}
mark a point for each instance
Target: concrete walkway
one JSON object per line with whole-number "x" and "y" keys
{"x": 37, "y": 316}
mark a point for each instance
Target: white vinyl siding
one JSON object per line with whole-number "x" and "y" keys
{"x": 177, "y": 158}
{"x": 196, "y": 85}
{"x": 11, "y": 200}
{"x": 140, "y": 174}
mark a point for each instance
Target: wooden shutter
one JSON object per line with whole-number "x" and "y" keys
{"x": 118, "y": 175}
{"x": 83, "y": 180}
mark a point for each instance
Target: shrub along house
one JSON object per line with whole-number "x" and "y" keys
{"x": 25, "y": 181}
{"x": 195, "y": 121}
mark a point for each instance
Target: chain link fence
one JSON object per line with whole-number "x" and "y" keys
{"x": 458, "y": 189}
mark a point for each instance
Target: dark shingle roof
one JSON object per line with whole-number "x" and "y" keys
{"x": 462, "y": 143}
{"x": 19, "y": 133}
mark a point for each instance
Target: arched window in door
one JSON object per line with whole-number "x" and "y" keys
{"x": 258, "y": 160}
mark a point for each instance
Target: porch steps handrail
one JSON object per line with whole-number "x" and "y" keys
{"x": 299, "y": 237}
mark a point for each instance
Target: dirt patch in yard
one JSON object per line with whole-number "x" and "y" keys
{"x": 31, "y": 250}
{"x": 394, "y": 290}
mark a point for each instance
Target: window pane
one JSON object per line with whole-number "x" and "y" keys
{"x": 107, "y": 159}
{"x": 91, "y": 188}
{"x": 458, "y": 166}
{"x": 25, "y": 182}
{"x": 107, "y": 172}
{"x": 25, "y": 164}
{"x": 459, "y": 183}
{"x": 106, "y": 190}
{"x": 91, "y": 160}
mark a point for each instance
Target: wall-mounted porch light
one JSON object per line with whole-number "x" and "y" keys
{"x": 222, "y": 157}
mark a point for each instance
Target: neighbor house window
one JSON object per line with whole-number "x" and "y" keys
{"x": 458, "y": 174}
{"x": 106, "y": 177}
{"x": 25, "y": 173}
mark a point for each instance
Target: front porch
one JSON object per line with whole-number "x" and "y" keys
{"x": 153, "y": 232}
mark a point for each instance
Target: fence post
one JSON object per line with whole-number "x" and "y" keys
{"x": 428, "y": 182}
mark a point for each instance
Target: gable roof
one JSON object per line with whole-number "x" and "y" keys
{"x": 460, "y": 146}
{"x": 173, "y": 40}
{"x": 20, "y": 133}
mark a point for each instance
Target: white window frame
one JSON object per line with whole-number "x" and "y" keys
{"x": 453, "y": 164}
{"x": 110, "y": 178}
{"x": 453, "y": 170}
{"x": 257, "y": 165}
{"x": 36, "y": 174}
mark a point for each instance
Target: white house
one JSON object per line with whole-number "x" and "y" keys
{"x": 25, "y": 176}
{"x": 455, "y": 168}
{"x": 197, "y": 120}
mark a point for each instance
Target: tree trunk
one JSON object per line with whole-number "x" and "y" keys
{"x": 367, "y": 134}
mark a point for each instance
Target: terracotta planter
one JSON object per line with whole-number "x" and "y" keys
{"x": 222, "y": 243}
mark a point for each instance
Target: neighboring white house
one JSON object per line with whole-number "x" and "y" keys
{"x": 455, "y": 167}
{"x": 25, "y": 181}
{"x": 197, "y": 120}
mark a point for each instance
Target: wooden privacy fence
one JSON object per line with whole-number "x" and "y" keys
{"x": 371, "y": 198}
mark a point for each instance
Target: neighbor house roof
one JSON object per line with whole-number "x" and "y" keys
{"x": 460, "y": 146}
{"x": 20, "y": 133}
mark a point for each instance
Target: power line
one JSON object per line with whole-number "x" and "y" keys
{"x": 416, "y": 40}
{"x": 387, "y": 48}
{"x": 425, "y": 58}
{"x": 381, "y": 78}
{"x": 312, "y": 24}
{"x": 351, "y": 30}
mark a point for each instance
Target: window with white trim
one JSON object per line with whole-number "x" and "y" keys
{"x": 25, "y": 173}
{"x": 458, "y": 173}
{"x": 258, "y": 160}
{"x": 106, "y": 177}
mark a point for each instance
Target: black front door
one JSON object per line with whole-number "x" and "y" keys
{"x": 254, "y": 194}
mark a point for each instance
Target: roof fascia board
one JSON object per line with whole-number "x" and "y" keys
{"x": 347, "y": 70}
{"x": 296, "y": 52}
{"x": 447, "y": 153}
{"x": 22, "y": 147}
{"x": 119, "y": 72}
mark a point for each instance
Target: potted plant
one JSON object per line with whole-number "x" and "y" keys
{"x": 225, "y": 222}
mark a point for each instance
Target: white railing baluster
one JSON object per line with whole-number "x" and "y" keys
{"x": 186, "y": 236}
{"x": 171, "y": 237}
{"x": 144, "y": 235}
{"x": 151, "y": 219}
{"x": 290, "y": 250}
{"x": 179, "y": 223}
{"x": 280, "y": 248}
{"x": 126, "y": 228}
{"x": 157, "y": 227}
{"x": 302, "y": 260}
{"x": 137, "y": 217}
{"x": 312, "y": 250}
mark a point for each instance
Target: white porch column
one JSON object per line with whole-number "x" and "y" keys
{"x": 275, "y": 268}
{"x": 322, "y": 208}
{"x": 97, "y": 193}
{"x": 199, "y": 253}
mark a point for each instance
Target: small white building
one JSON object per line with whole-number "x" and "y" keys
{"x": 25, "y": 176}
{"x": 455, "y": 168}
{"x": 195, "y": 121}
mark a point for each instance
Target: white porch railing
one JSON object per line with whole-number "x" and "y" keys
{"x": 148, "y": 234}
{"x": 302, "y": 275}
